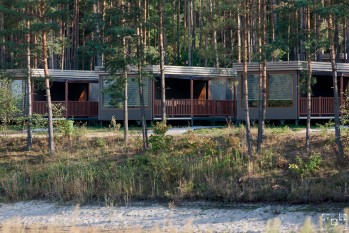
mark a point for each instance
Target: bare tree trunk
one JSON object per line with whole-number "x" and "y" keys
{"x": 68, "y": 62}
{"x": 247, "y": 110}
{"x": 178, "y": 57}
{"x": 239, "y": 37}
{"x": 61, "y": 32}
{"x": 214, "y": 34}
{"x": 189, "y": 33}
{"x": 29, "y": 90}
{"x": 51, "y": 143}
{"x": 126, "y": 106}
{"x": 140, "y": 54}
{"x": 307, "y": 134}
{"x": 260, "y": 120}
{"x": 200, "y": 30}
{"x": 2, "y": 40}
{"x": 76, "y": 35}
{"x": 162, "y": 62}
{"x": 346, "y": 41}
{"x": 335, "y": 86}
{"x": 301, "y": 26}
{"x": 144, "y": 123}
{"x": 125, "y": 51}
{"x": 319, "y": 33}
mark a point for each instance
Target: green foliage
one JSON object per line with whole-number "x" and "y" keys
{"x": 100, "y": 142}
{"x": 9, "y": 102}
{"x": 159, "y": 141}
{"x": 306, "y": 167}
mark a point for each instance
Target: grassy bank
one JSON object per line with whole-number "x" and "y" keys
{"x": 196, "y": 166}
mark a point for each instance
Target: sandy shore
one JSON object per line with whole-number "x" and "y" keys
{"x": 192, "y": 217}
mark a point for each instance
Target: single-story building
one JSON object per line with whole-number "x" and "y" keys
{"x": 197, "y": 92}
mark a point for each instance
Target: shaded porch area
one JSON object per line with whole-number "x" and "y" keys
{"x": 322, "y": 100}
{"x": 190, "y": 98}
{"x": 79, "y": 99}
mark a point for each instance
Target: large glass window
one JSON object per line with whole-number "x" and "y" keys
{"x": 280, "y": 90}
{"x": 253, "y": 90}
{"x": 113, "y": 93}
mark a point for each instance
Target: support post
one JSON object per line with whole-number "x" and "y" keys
{"x": 341, "y": 101}
{"x": 66, "y": 98}
{"x": 320, "y": 106}
{"x": 341, "y": 87}
{"x": 153, "y": 99}
{"x": 191, "y": 98}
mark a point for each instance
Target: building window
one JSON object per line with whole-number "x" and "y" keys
{"x": 253, "y": 90}
{"x": 113, "y": 92}
{"x": 280, "y": 90}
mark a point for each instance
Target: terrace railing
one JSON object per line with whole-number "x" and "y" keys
{"x": 320, "y": 106}
{"x": 196, "y": 108}
{"x": 72, "y": 108}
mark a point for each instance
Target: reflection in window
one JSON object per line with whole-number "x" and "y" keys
{"x": 113, "y": 93}
{"x": 253, "y": 90}
{"x": 280, "y": 90}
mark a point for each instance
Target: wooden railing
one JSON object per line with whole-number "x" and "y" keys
{"x": 74, "y": 108}
{"x": 192, "y": 108}
{"x": 320, "y": 106}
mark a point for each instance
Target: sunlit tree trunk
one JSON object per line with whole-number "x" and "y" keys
{"x": 307, "y": 134}
{"x": 162, "y": 62}
{"x": 346, "y": 41}
{"x": 76, "y": 35}
{"x": 140, "y": 55}
{"x": 245, "y": 56}
{"x": 51, "y": 143}
{"x": 335, "y": 86}
{"x": 2, "y": 40}
{"x": 260, "y": 105}
{"x": 125, "y": 50}
{"x": 29, "y": 89}
{"x": 239, "y": 36}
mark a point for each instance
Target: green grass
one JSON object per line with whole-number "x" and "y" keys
{"x": 208, "y": 164}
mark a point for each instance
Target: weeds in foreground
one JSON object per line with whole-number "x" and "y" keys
{"x": 190, "y": 167}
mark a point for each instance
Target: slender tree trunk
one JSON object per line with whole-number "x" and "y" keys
{"x": 29, "y": 90}
{"x": 346, "y": 41}
{"x": 319, "y": 33}
{"x": 61, "y": 32}
{"x": 140, "y": 54}
{"x": 68, "y": 62}
{"x": 301, "y": 26}
{"x": 76, "y": 35}
{"x": 245, "y": 55}
{"x": 2, "y": 40}
{"x": 200, "y": 30}
{"x": 141, "y": 96}
{"x": 307, "y": 134}
{"x": 239, "y": 37}
{"x": 162, "y": 62}
{"x": 178, "y": 33}
{"x": 51, "y": 143}
{"x": 260, "y": 113}
{"x": 126, "y": 106}
{"x": 189, "y": 33}
{"x": 125, "y": 51}
{"x": 214, "y": 35}
{"x": 335, "y": 86}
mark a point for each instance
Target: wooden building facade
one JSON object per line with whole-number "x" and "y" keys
{"x": 197, "y": 92}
